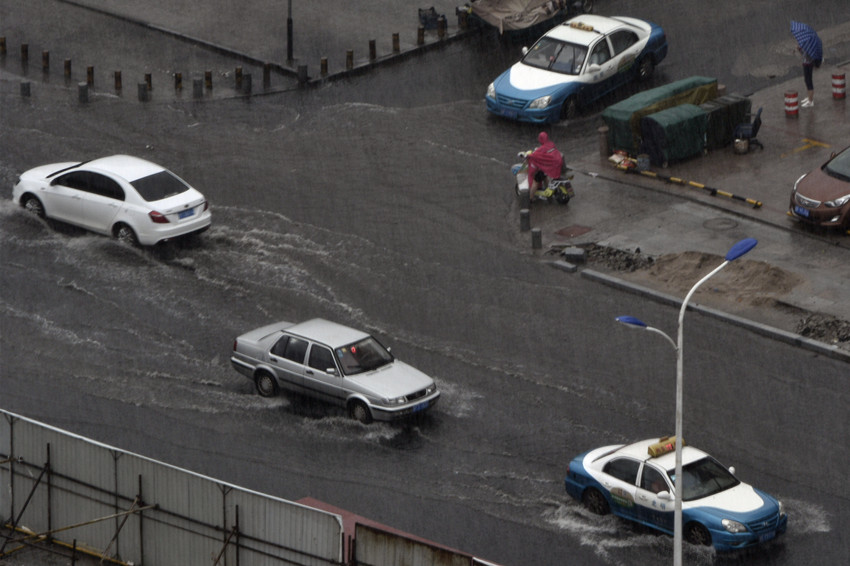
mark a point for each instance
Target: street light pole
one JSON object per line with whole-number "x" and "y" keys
{"x": 736, "y": 251}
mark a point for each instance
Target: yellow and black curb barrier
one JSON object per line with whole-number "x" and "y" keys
{"x": 712, "y": 191}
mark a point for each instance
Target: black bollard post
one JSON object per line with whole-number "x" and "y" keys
{"x": 396, "y": 46}
{"x": 83, "y": 92}
{"x": 524, "y": 220}
{"x": 198, "y": 88}
{"x": 143, "y": 92}
{"x": 349, "y": 59}
{"x": 267, "y": 75}
{"x": 118, "y": 85}
{"x": 208, "y": 79}
{"x": 373, "y": 53}
{"x": 90, "y": 75}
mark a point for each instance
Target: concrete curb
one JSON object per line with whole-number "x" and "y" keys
{"x": 774, "y": 333}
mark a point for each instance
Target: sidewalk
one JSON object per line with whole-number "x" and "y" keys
{"x": 803, "y": 271}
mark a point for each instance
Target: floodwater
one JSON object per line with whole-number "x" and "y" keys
{"x": 355, "y": 201}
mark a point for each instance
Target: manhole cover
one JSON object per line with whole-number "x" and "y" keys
{"x": 720, "y": 224}
{"x": 572, "y": 231}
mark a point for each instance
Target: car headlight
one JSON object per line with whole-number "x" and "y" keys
{"x": 840, "y": 201}
{"x": 541, "y": 102}
{"x": 491, "y": 90}
{"x": 733, "y": 526}
{"x": 395, "y": 401}
{"x": 797, "y": 182}
{"x": 781, "y": 508}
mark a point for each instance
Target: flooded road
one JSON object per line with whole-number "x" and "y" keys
{"x": 397, "y": 218}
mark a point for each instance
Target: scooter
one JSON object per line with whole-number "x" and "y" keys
{"x": 558, "y": 190}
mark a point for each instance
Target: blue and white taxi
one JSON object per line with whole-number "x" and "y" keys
{"x": 575, "y": 64}
{"x": 636, "y": 482}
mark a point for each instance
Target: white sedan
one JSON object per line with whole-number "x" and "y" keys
{"x": 132, "y": 199}
{"x": 336, "y": 364}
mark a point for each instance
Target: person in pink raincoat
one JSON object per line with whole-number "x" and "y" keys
{"x": 545, "y": 161}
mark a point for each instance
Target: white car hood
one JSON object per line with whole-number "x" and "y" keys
{"x": 741, "y": 499}
{"x": 526, "y": 77}
{"x": 393, "y": 380}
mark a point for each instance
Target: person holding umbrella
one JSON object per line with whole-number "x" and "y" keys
{"x": 810, "y": 46}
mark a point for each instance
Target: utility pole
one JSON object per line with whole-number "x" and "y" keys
{"x": 289, "y": 33}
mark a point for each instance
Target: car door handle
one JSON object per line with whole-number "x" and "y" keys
{"x": 309, "y": 372}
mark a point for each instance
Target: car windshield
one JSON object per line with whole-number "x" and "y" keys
{"x": 704, "y": 478}
{"x": 557, "y": 56}
{"x": 839, "y": 166}
{"x": 363, "y": 356}
{"x": 159, "y": 186}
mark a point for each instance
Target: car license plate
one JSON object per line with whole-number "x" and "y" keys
{"x": 800, "y": 211}
{"x": 509, "y": 114}
{"x": 186, "y": 213}
{"x": 767, "y": 536}
{"x": 420, "y": 407}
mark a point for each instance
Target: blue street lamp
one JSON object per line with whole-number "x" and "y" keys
{"x": 736, "y": 251}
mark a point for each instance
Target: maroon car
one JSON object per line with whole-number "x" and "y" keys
{"x": 822, "y": 196}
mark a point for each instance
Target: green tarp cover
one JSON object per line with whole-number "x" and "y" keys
{"x": 623, "y": 119}
{"x": 673, "y": 134}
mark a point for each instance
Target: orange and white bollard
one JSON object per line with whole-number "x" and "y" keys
{"x": 791, "y": 104}
{"x": 838, "y": 86}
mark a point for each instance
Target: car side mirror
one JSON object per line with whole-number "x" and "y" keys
{"x": 524, "y": 51}
{"x": 664, "y": 496}
{"x": 732, "y": 470}
{"x": 331, "y": 371}
{"x": 594, "y": 68}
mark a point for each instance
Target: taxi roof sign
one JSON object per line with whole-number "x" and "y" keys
{"x": 664, "y": 445}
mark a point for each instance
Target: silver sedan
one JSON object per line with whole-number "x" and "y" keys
{"x": 333, "y": 363}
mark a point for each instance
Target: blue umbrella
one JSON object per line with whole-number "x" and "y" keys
{"x": 808, "y": 40}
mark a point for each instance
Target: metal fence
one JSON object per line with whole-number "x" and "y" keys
{"x": 129, "y": 509}
{"x": 122, "y": 508}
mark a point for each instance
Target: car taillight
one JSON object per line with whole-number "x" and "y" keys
{"x": 234, "y": 344}
{"x": 157, "y": 217}
{"x": 206, "y": 206}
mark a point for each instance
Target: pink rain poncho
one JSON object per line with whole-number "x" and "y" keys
{"x": 545, "y": 158}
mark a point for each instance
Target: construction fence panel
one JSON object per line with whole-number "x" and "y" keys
{"x": 133, "y": 509}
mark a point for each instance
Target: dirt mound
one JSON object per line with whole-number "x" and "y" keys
{"x": 753, "y": 289}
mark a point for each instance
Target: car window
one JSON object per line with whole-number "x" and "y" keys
{"x": 362, "y": 356}
{"x": 556, "y": 56}
{"x": 279, "y": 348}
{"x": 624, "y": 469}
{"x": 622, "y": 40}
{"x": 653, "y": 480}
{"x": 839, "y": 166}
{"x": 296, "y": 349}
{"x": 704, "y": 478}
{"x": 600, "y": 53}
{"x": 321, "y": 359}
{"x": 159, "y": 186}
{"x": 75, "y": 180}
{"x": 106, "y": 187}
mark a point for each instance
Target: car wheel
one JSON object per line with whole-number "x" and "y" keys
{"x": 697, "y": 534}
{"x": 360, "y": 412}
{"x": 587, "y": 6}
{"x": 646, "y": 68}
{"x": 570, "y": 109}
{"x": 33, "y": 205}
{"x": 125, "y": 235}
{"x": 266, "y": 384}
{"x": 595, "y": 501}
